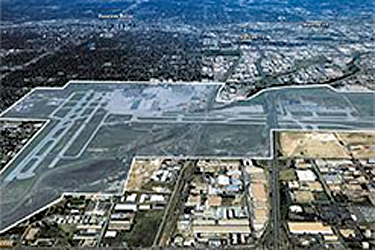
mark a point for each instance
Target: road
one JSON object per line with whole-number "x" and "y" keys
{"x": 171, "y": 207}
{"x": 275, "y": 201}
{"x": 335, "y": 228}
{"x": 272, "y": 123}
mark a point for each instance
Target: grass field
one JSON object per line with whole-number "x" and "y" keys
{"x": 233, "y": 140}
{"x": 145, "y": 229}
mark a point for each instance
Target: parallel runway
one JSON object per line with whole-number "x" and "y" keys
{"x": 94, "y": 123}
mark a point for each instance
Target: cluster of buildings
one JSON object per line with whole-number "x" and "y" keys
{"x": 14, "y": 135}
{"x": 152, "y": 194}
{"x": 316, "y": 73}
{"x": 220, "y": 209}
{"x": 283, "y": 65}
{"x": 220, "y": 54}
{"x": 349, "y": 181}
{"x": 276, "y": 62}
{"x": 100, "y": 220}
{"x": 316, "y": 24}
{"x": 215, "y": 67}
{"x": 72, "y": 220}
{"x": 124, "y": 216}
{"x": 171, "y": 202}
{"x": 365, "y": 80}
{"x": 214, "y": 212}
{"x": 258, "y": 198}
{"x": 330, "y": 204}
{"x": 290, "y": 54}
{"x": 203, "y": 203}
{"x": 246, "y": 70}
{"x": 219, "y": 41}
{"x": 154, "y": 175}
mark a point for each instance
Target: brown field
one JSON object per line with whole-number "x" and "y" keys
{"x": 327, "y": 144}
{"x": 357, "y": 138}
{"x": 141, "y": 173}
{"x": 311, "y": 145}
{"x": 361, "y": 145}
{"x": 365, "y": 152}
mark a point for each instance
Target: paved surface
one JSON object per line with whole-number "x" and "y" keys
{"x": 164, "y": 120}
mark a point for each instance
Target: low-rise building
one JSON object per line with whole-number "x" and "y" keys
{"x": 309, "y": 228}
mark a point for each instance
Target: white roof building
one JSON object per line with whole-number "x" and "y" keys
{"x": 156, "y": 198}
{"x": 306, "y": 175}
{"x": 295, "y": 209}
{"x": 223, "y": 180}
{"x": 110, "y": 234}
{"x": 126, "y": 207}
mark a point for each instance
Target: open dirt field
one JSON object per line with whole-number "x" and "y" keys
{"x": 141, "y": 172}
{"x": 361, "y": 145}
{"x": 311, "y": 145}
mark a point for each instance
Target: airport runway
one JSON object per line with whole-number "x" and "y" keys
{"x": 180, "y": 119}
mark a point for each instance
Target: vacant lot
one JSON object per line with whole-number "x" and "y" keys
{"x": 361, "y": 145}
{"x": 311, "y": 145}
{"x": 141, "y": 172}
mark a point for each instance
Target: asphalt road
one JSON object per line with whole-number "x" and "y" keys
{"x": 275, "y": 201}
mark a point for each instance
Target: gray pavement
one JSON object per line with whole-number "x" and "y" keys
{"x": 166, "y": 120}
